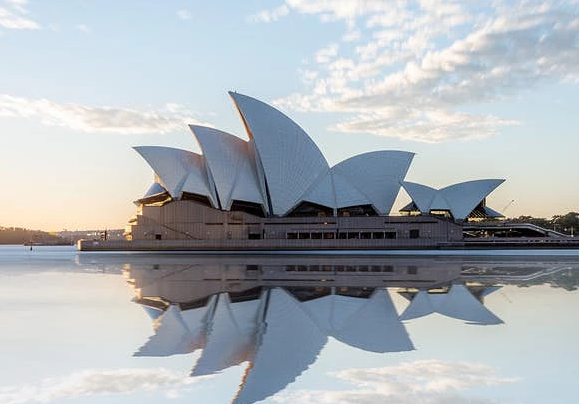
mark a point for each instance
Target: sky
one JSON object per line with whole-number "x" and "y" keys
{"x": 476, "y": 90}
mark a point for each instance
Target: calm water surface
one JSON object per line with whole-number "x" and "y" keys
{"x": 180, "y": 328}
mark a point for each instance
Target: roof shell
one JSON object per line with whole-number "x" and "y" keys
{"x": 376, "y": 175}
{"x": 155, "y": 189}
{"x": 179, "y": 170}
{"x": 230, "y": 165}
{"x": 422, "y": 195}
{"x": 460, "y": 199}
{"x": 290, "y": 159}
{"x": 463, "y": 197}
{"x": 322, "y": 191}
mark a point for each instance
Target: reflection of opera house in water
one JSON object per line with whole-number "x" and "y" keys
{"x": 277, "y": 313}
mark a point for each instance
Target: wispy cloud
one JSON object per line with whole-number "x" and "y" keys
{"x": 170, "y": 118}
{"x": 270, "y": 15}
{"x": 426, "y": 381}
{"x": 82, "y": 28}
{"x": 13, "y": 15}
{"x": 96, "y": 382}
{"x": 184, "y": 15}
{"x": 424, "y": 61}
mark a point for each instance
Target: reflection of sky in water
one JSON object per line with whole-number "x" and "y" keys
{"x": 70, "y": 329}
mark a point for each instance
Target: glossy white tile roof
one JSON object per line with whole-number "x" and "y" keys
{"x": 376, "y": 175}
{"x": 230, "y": 165}
{"x": 291, "y": 160}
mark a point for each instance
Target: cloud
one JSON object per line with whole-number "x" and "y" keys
{"x": 433, "y": 59}
{"x": 429, "y": 126}
{"x": 326, "y": 54}
{"x": 425, "y": 381}
{"x": 270, "y": 15}
{"x": 170, "y": 118}
{"x": 184, "y": 15}
{"x": 82, "y": 28}
{"x": 96, "y": 382}
{"x": 13, "y": 15}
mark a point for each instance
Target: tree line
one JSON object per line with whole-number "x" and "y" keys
{"x": 18, "y": 235}
{"x": 567, "y": 223}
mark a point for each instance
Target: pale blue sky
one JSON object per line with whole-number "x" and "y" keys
{"x": 476, "y": 92}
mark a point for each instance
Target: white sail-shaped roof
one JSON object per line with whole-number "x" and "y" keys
{"x": 377, "y": 175}
{"x": 346, "y": 193}
{"x": 289, "y": 342}
{"x": 155, "y": 189}
{"x": 421, "y": 195}
{"x": 465, "y": 196}
{"x": 457, "y": 303}
{"x": 460, "y": 199}
{"x": 179, "y": 170}
{"x": 291, "y": 161}
{"x": 440, "y": 203}
{"x": 230, "y": 165}
{"x": 231, "y": 336}
{"x": 322, "y": 191}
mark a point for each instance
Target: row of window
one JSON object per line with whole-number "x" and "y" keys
{"x": 341, "y": 268}
{"x": 366, "y": 235}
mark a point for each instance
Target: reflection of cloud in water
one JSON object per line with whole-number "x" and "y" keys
{"x": 425, "y": 381}
{"x": 96, "y": 382}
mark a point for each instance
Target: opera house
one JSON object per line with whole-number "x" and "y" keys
{"x": 276, "y": 191}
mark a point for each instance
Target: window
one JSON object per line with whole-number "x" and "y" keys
{"x": 414, "y": 233}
